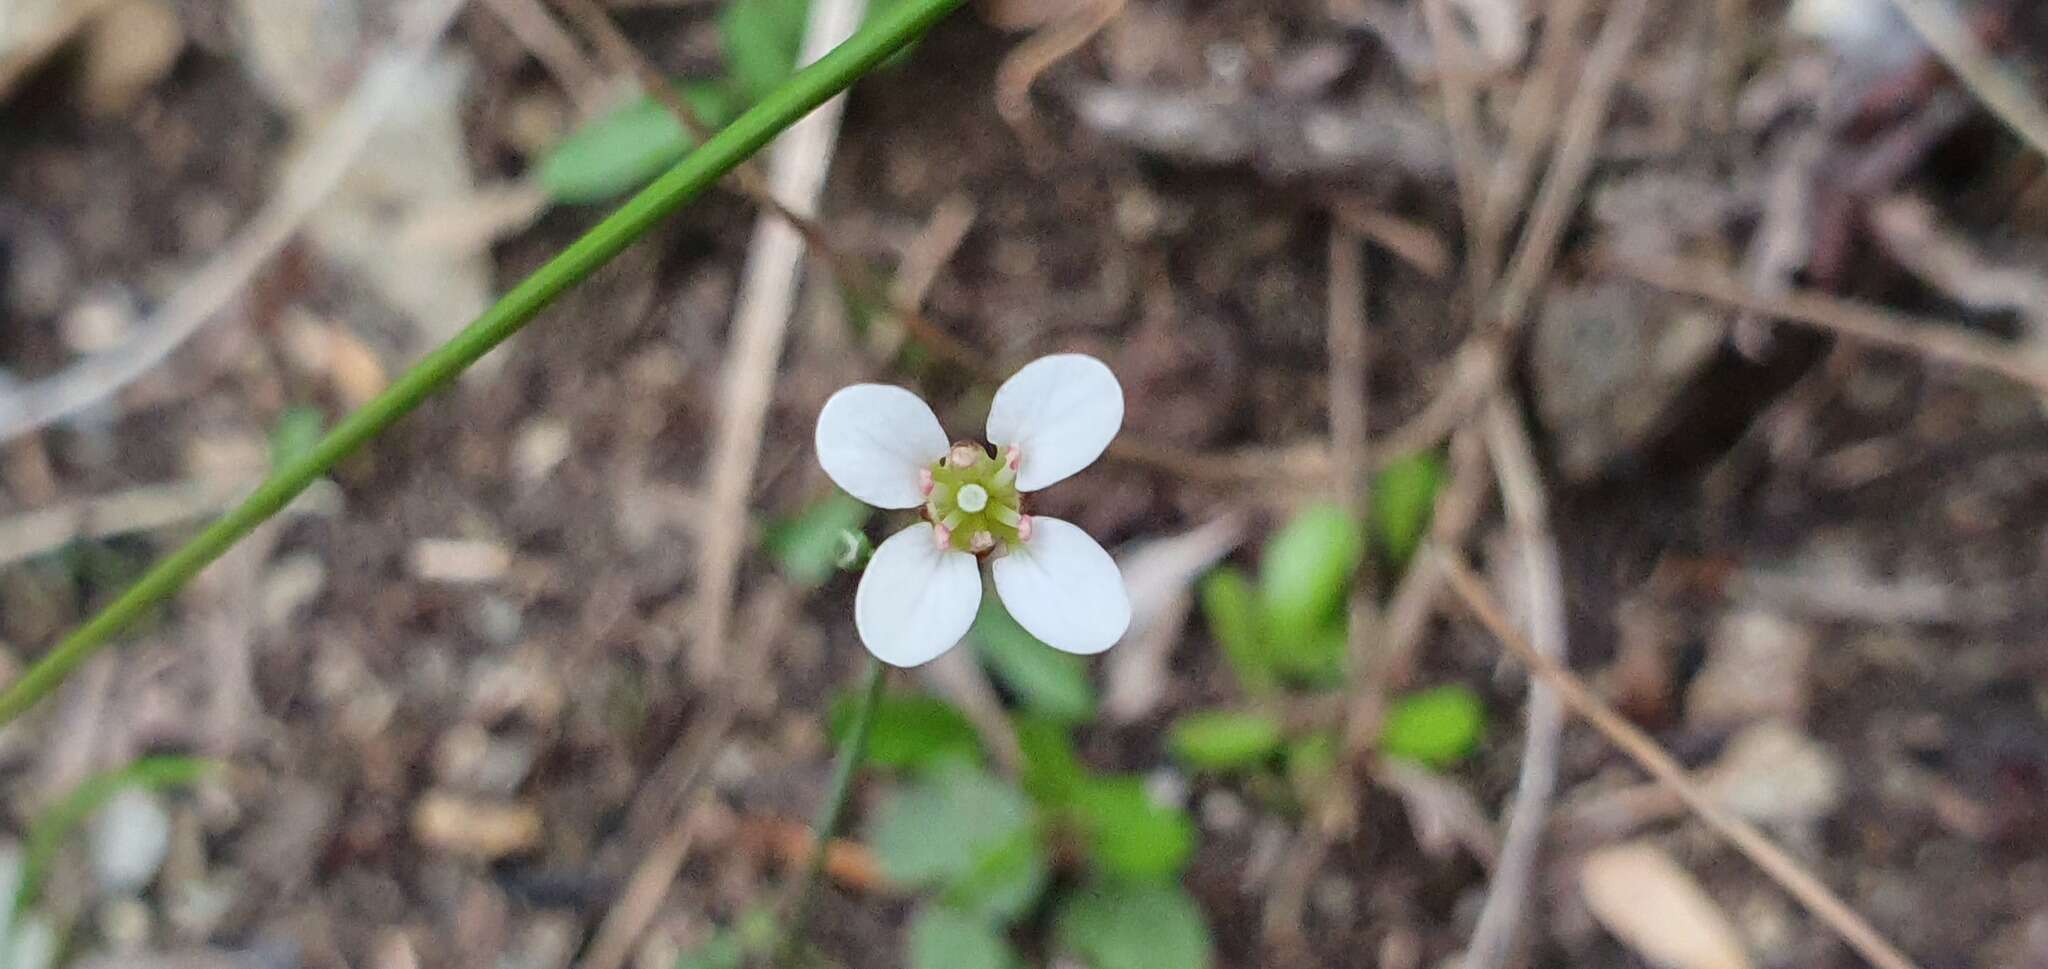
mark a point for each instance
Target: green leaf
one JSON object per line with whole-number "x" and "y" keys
{"x": 806, "y": 546}
{"x": 1303, "y": 581}
{"x": 1052, "y": 770}
{"x": 1129, "y": 835}
{"x": 55, "y": 825}
{"x": 618, "y": 152}
{"x": 1047, "y": 681}
{"x": 911, "y": 730}
{"x": 962, "y": 831}
{"x": 945, "y": 938}
{"x": 298, "y": 429}
{"x": 1005, "y": 882}
{"x": 1134, "y": 926}
{"x": 762, "y": 40}
{"x": 1232, "y": 610}
{"x": 1437, "y": 727}
{"x": 1403, "y": 500}
{"x": 1224, "y": 740}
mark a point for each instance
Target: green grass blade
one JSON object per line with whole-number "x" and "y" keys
{"x": 812, "y": 86}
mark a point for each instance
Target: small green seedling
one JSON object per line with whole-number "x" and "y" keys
{"x": 985, "y": 850}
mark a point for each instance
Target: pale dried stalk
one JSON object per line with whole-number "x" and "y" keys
{"x": 1584, "y": 121}
{"x": 1781, "y": 867}
{"x": 797, "y": 165}
{"x": 1536, "y": 566}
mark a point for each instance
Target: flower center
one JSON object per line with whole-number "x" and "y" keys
{"x": 971, "y": 498}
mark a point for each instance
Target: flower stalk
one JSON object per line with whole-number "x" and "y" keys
{"x": 810, "y": 87}
{"x": 831, "y": 812}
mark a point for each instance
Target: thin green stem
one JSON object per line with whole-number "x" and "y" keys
{"x": 809, "y": 88}
{"x": 830, "y": 814}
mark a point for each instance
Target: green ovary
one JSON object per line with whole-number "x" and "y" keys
{"x": 978, "y": 498}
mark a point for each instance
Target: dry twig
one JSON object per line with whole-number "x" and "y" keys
{"x": 544, "y": 38}
{"x": 1532, "y": 121}
{"x": 1941, "y": 342}
{"x": 1039, "y": 52}
{"x": 1998, "y": 87}
{"x": 1468, "y": 143}
{"x": 1562, "y": 187}
{"x": 1536, "y": 566}
{"x": 796, "y": 176}
{"x": 1781, "y": 867}
{"x": 1335, "y": 811}
{"x": 312, "y": 178}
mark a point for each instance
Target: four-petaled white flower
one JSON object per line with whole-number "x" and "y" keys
{"x": 883, "y": 445}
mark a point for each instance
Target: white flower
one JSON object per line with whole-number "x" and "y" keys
{"x": 922, "y": 588}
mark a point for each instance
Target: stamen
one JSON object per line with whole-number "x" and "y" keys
{"x": 952, "y": 520}
{"x": 924, "y": 481}
{"x": 972, "y": 498}
{"x": 1007, "y": 514}
{"x": 963, "y": 456}
{"x": 981, "y": 542}
{"x": 942, "y": 537}
{"x": 1024, "y": 528}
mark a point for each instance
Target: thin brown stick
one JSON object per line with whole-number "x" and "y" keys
{"x": 1536, "y": 567}
{"x": 1530, "y": 125}
{"x": 797, "y": 164}
{"x": 1781, "y": 867}
{"x": 543, "y": 37}
{"x": 1335, "y": 809}
{"x": 1995, "y": 85}
{"x": 643, "y": 894}
{"x": 1942, "y": 342}
{"x": 1038, "y": 53}
{"x": 1562, "y": 187}
{"x": 1468, "y": 143}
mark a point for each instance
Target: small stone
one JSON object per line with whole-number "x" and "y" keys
{"x": 541, "y": 446}
{"x": 476, "y": 829}
{"x": 101, "y": 320}
{"x": 1223, "y": 812}
{"x": 471, "y": 758}
{"x": 498, "y": 620}
{"x": 129, "y": 838}
{"x": 461, "y": 561}
{"x": 1757, "y": 669}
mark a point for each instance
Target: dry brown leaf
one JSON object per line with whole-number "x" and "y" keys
{"x": 1658, "y": 909}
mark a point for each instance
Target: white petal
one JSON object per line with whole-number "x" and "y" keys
{"x": 915, "y": 601}
{"x": 873, "y": 439}
{"x": 1061, "y": 410}
{"x": 1063, "y": 588}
